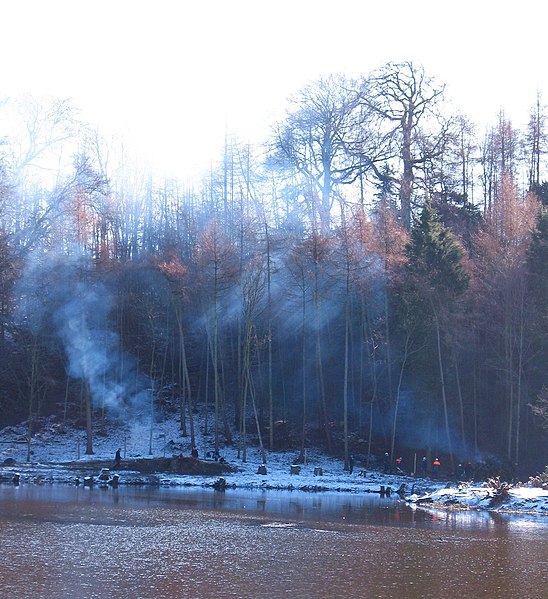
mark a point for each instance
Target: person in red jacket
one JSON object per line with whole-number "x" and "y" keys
{"x": 436, "y": 467}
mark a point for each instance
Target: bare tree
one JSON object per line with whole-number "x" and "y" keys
{"x": 252, "y": 289}
{"x": 406, "y": 103}
{"x": 45, "y": 134}
{"x": 500, "y": 260}
{"x": 536, "y": 140}
{"x": 176, "y": 274}
{"x": 298, "y": 268}
{"x": 315, "y": 140}
{"x": 215, "y": 255}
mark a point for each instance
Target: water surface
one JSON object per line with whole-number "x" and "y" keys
{"x": 60, "y": 542}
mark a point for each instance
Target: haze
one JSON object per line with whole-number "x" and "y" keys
{"x": 174, "y": 77}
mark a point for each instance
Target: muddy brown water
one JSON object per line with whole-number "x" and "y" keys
{"x": 64, "y": 542}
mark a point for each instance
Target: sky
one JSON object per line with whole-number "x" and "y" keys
{"x": 172, "y": 76}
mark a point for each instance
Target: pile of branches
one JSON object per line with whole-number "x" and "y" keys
{"x": 501, "y": 490}
{"x": 540, "y": 481}
{"x": 497, "y": 483}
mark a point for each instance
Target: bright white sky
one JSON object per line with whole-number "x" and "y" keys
{"x": 173, "y": 73}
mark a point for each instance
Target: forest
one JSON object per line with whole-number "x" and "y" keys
{"x": 372, "y": 277}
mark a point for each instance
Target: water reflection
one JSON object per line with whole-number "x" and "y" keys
{"x": 57, "y": 502}
{"x": 68, "y": 542}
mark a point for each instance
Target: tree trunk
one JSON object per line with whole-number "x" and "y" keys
{"x": 345, "y": 377}
{"x": 406, "y": 186}
{"x": 303, "y": 355}
{"x": 257, "y": 423}
{"x": 398, "y": 393}
{"x": 319, "y": 366}
{"x": 443, "y": 394}
{"x": 269, "y": 341}
{"x": 89, "y": 422}
{"x": 215, "y": 356}
{"x": 32, "y": 395}
{"x": 519, "y": 382}
{"x": 461, "y": 403}
{"x": 185, "y": 382}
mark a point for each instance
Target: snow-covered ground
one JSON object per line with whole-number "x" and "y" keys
{"x": 476, "y": 496}
{"x": 56, "y": 444}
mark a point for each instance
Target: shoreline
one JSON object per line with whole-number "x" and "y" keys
{"x": 206, "y": 474}
{"x": 56, "y": 459}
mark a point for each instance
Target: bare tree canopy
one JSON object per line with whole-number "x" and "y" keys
{"x": 405, "y": 105}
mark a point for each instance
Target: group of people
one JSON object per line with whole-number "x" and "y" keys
{"x": 462, "y": 470}
{"x": 397, "y": 466}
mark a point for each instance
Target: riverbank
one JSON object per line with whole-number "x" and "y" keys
{"x": 162, "y": 457}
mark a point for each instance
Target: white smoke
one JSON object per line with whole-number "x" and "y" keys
{"x": 61, "y": 296}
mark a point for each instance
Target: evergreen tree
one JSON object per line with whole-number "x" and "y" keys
{"x": 541, "y": 191}
{"x": 435, "y": 258}
{"x": 435, "y": 279}
{"x": 537, "y": 261}
{"x": 537, "y": 293}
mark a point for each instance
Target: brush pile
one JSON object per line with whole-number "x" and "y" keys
{"x": 501, "y": 490}
{"x": 540, "y": 481}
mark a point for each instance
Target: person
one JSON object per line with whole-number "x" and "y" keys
{"x": 117, "y": 459}
{"x": 399, "y": 461}
{"x": 386, "y": 462}
{"x": 459, "y": 471}
{"x": 436, "y": 467}
{"x": 468, "y": 470}
{"x": 194, "y": 452}
{"x": 351, "y": 463}
{"x": 424, "y": 466}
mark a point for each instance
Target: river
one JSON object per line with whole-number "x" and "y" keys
{"x": 66, "y": 542}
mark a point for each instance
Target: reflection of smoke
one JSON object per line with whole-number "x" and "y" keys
{"x": 61, "y": 297}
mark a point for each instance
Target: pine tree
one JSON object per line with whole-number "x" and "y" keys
{"x": 537, "y": 262}
{"x": 436, "y": 278}
{"x": 537, "y": 293}
{"x": 435, "y": 258}
{"x": 541, "y": 191}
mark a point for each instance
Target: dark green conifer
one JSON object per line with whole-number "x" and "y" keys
{"x": 436, "y": 278}
{"x": 537, "y": 262}
{"x": 435, "y": 257}
{"x": 537, "y": 294}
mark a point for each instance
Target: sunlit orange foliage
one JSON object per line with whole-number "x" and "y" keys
{"x": 511, "y": 219}
{"x": 389, "y": 237}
